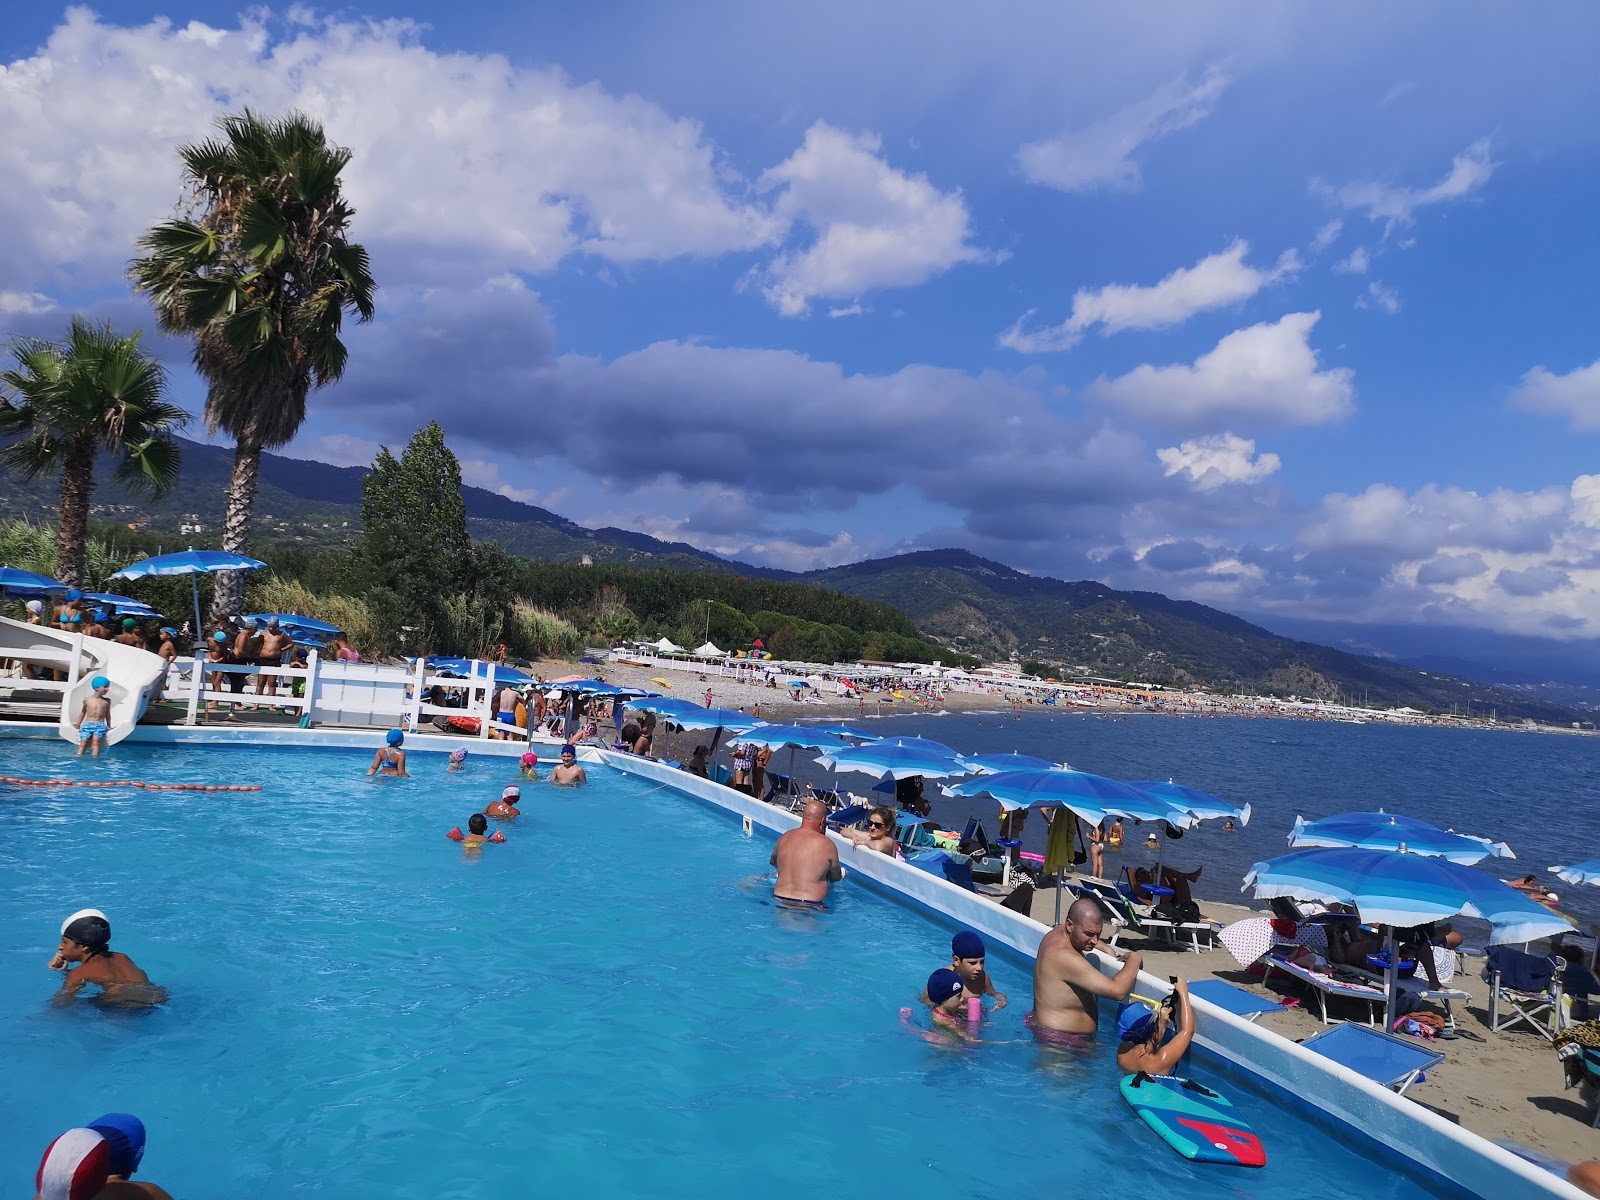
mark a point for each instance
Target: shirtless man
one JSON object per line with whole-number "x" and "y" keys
{"x": 1067, "y": 985}
{"x": 97, "y": 627}
{"x": 275, "y": 647}
{"x": 505, "y": 711}
{"x": 94, "y": 720}
{"x": 807, "y": 861}
{"x": 86, "y": 939}
{"x": 506, "y": 807}
{"x": 130, "y": 635}
{"x": 879, "y": 833}
{"x": 567, "y": 773}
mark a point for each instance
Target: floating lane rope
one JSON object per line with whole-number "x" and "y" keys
{"x": 149, "y": 787}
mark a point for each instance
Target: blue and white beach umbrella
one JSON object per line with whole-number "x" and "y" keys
{"x": 851, "y": 732}
{"x": 1203, "y": 806}
{"x": 804, "y": 737}
{"x": 193, "y": 563}
{"x": 1390, "y": 831}
{"x": 294, "y": 621}
{"x": 14, "y": 581}
{"x": 902, "y": 762}
{"x": 1092, "y": 797}
{"x": 1580, "y": 873}
{"x": 1403, "y": 890}
{"x": 694, "y": 717}
{"x": 993, "y": 764}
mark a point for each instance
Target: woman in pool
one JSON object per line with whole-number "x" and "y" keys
{"x": 390, "y": 760}
{"x": 879, "y": 833}
{"x": 86, "y": 939}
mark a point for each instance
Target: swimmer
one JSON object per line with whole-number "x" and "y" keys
{"x": 125, "y": 1136}
{"x": 807, "y": 861}
{"x": 530, "y": 763}
{"x": 949, "y": 1000}
{"x": 1140, "y": 1030}
{"x": 458, "y": 760}
{"x": 94, "y": 718}
{"x": 568, "y": 773}
{"x": 505, "y": 807}
{"x": 879, "y": 833}
{"x": 390, "y": 760}
{"x": 477, "y": 833}
{"x": 1068, "y": 985}
{"x": 967, "y": 955}
{"x": 86, "y": 939}
{"x": 74, "y": 1167}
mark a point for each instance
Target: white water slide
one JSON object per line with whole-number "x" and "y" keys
{"x": 136, "y": 676}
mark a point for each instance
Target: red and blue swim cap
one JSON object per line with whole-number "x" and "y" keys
{"x": 74, "y": 1166}
{"x": 124, "y": 1135}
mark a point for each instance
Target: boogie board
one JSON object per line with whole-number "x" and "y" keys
{"x": 1195, "y": 1121}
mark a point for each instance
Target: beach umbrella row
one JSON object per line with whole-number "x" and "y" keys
{"x": 1390, "y": 831}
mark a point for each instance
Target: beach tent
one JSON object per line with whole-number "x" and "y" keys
{"x": 709, "y": 650}
{"x": 668, "y": 646}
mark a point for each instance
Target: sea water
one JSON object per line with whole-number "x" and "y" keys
{"x": 1538, "y": 792}
{"x": 606, "y": 1005}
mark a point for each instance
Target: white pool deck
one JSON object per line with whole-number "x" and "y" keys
{"x": 1472, "y": 1163}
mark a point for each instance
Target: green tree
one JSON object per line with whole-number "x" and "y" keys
{"x": 260, "y": 271}
{"x": 66, "y": 402}
{"x": 414, "y": 554}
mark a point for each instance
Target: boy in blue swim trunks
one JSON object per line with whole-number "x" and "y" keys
{"x": 94, "y": 721}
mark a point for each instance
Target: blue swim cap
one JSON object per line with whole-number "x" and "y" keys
{"x": 169, "y": 629}
{"x": 99, "y": 681}
{"x": 100, "y": 614}
{"x": 943, "y": 984}
{"x": 1136, "y": 1022}
{"x": 124, "y": 1135}
{"x": 74, "y": 594}
{"x": 566, "y": 750}
{"x": 219, "y": 636}
{"x": 967, "y": 944}
{"x": 394, "y": 737}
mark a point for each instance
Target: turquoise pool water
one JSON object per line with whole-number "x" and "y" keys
{"x": 601, "y": 1007}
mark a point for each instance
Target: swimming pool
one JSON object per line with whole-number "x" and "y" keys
{"x": 597, "y": 1007}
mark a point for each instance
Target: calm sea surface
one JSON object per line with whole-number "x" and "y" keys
{"x": 1538, "y": 792}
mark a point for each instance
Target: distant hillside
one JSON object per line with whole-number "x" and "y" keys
{"x": 313, "y": 503}
{"x": 990, "y": 610}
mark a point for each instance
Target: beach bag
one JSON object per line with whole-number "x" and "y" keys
{"x": 1183, "y": 912}
{"x": 1427, "y": 1025}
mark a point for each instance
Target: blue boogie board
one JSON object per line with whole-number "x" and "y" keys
{"x": 1195, "y": 1121}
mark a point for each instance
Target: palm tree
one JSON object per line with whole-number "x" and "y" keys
{"x": 260, "y": 272}
{"x": 70, "y": 400}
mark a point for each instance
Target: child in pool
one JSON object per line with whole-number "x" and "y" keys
{"x": 530, "y": 761}
{"x": 86, "y": 939}
{"x": 94, "y": 720}
{"x": 477, "y": 834}
{"x": 458, "y": 761}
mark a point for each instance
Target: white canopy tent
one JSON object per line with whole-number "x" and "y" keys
{"x": 709, "y": 650}
{"x": 668, "y": 646}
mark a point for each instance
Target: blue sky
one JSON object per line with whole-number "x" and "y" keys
{"x": 1282, "y": 309}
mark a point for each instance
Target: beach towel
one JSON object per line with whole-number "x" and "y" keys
{"x": 1061, "y": 851}
{"x": 1520, "y": 971}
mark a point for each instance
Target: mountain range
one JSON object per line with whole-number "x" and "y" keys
{"x": 969, "y": 603}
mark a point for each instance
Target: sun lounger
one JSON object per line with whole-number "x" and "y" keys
{"x": 1394, "y": 1062}
{"x": 1186, "y": 934}
{"x": 1232, "y": 999}
{"x": 1323, "y": 985}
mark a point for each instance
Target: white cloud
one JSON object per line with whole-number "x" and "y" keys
{"x": 472, "y": 164}
{"x": 847, "y": 310}
{"x": 25, "y": 303}
{"x": 1266, "y": 375}
{"x": 876, "y": 226}
{"x": 1468, "y": 172}
{"x": 1357, "y": 262}
{"x": 1218, "y": 459}
{"x": 1380, "y": 295}
{"x": 343, "y": 450}
{"x": 1102, "y": 153}
{"x": 1575, "y": 395}
{"x": 1327, "y": 236}
{"x": 1216, "y": 281}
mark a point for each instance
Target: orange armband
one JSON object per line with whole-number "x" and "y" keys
{"x": 455, "y": 835}
{"x": 497, "y": 836}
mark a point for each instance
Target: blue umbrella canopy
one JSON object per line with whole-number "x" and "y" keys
{"x": 1580, "y": 873}
{"x": 849, "y": 731}
{"x": 730, "y": 719}
{"x": 1203, "y": 806}
{"x": 17, "y": 582}
{"x": 1390, "y": 831}
{"x": 1403, "y": 890}
{"x": 189, "y": 562}
{"x": 902, "y": 762}
{"x": 666, "y": 706}
{"x": 295, "y": 621}
{"x": 1092, "y": 797}
{"x": 917, "y": 743}
{"x": 802, "y": 736}
{"x": 993, "y": 764}
{"x": 463, "y": 667}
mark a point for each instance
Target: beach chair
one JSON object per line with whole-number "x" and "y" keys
{"x": 1232, "y": 999}
{"x": 1525, "y": 989}
{"x": 1184, "y": 934}
{"x": 1323, "y": 984}
{"x": 1392, "y": 1061}
{"x": 845, "y": 817}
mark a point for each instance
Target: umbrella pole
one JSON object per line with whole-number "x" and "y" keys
{"x": 1391, "y": 979}
{"x": 199, "y": 629}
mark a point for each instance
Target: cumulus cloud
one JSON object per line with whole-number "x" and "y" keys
{"x": 473, "y": 164}
{"x": 1218, "y": 459}
{"x": 1575, "y": 395}
{"x": 1216, "y": 281}
{"x": 1468, "y": 172}
{"x": 1101, "y": 154}
{"x": 1381, "y": 296}
{"x": 25, "y": 303}
{"x": 1357, "y": 262}
{"x": 875, "y": 226}
{"x": 1266, "y": 375}
{"x": 1450, "y": 568}
{"x": 1534, "y": 581}
{"x": 1326, "y": 236}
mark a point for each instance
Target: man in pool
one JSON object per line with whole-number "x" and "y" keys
{"x": 86, "y": 939}
{"x": 505, "y": 807}
{"x": 1068, "y": 985}
{"x": 95, "y": 717}
{"x": 567, "y": 773}
{"x": 390, "y": 760}
{"x": 807, "y": 861}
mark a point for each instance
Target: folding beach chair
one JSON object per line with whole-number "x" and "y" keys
{"x": 1525, "y": 988}
{"x": 1152, "y": 921}
{"x": 1392, "y": 1061}
{"x": 1232, "y": 999}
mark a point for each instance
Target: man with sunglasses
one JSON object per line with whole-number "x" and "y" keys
{"x": 1068, "y": 985}
{"x": 879, "y": 833}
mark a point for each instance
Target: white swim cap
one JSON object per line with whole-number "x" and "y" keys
{"x": 83, "y": 912}
{"x": 1552, "y": 897}
{"x": 35, "y": 607}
